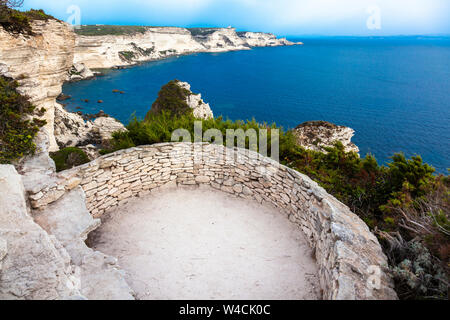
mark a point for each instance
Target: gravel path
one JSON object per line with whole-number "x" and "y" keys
{"x": 204, "y": 244}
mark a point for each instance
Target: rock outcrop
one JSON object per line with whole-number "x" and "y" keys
{"x": 80, "y": 72}
{"x": 40, "y": 64}
{"x": 317, "y": 135}
{"x": 108, "y": 51}
{"x": 71, "y": 130}
{"x": 260, "y": 39}
{"x": 70, "y": 222}
{"x": 200, "y": 109}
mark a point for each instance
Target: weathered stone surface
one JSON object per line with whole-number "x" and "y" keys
{"x": 34, "y": 267}
{"x": 72, "y": 130}
{"x": 70, "y": 222}
{"x": 102, "y": 280}
{"x": 316, "y": 135}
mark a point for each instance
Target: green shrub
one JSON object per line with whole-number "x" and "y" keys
{"x": 68, "y": 158}
{"x": 171, "y": 99}
{"x": 93, "y": 30}
{"x": 15, "y": 21}
{"x": 127, "y": 55}
{"x": 417, "y": 274}
{"x": 17, "y": 125}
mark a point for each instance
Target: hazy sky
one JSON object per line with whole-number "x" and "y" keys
{"x": 283, "y": 17}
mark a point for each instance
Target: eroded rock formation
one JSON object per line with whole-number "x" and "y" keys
{"x": 34, "y": 265}
{"x": 200, "y": 109}
{"x": 72, "y": 130}
{"x": 317, "y": 135}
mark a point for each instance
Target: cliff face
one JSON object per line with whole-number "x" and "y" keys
{"x": 109, "y": 51}
{"x": 40, "y": 64}
{"x": 316, "y": 135}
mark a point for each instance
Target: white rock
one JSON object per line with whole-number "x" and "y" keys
{"x": 316, "y": 135}
{"x": 33, "y": 267}
{"x": 200, "y": 109}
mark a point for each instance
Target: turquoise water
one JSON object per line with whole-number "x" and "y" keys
{"x": 395, "y": 92}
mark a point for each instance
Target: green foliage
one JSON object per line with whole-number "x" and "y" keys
{"x": 417, "y": 273}
{"x": 15, "y": 21}
{"x": 17, "y": 126}
{"x": 68, "y": 158}
{"x": 158, "y": 128}
{"x": 172, "y": 99}
{"x": 127, "y": 55}
{"x": 93, "y": 30}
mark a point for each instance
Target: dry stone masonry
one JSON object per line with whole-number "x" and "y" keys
{"x": 350, "y": 260}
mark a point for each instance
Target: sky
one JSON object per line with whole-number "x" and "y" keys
{"x": 282, "y": 17}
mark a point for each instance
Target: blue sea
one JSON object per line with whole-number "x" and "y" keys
{"x": 395, "y": 92}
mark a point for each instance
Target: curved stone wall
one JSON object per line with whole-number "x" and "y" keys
{"x": 350, "y": 260}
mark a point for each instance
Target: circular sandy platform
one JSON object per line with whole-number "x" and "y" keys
{"x": 204, "y": 244}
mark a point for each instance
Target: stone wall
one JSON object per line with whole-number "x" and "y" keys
{"x": 348, "y": 254}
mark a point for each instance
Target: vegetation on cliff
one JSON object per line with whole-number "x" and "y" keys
{"x": 15, "y": 21}
{"x": 18, "y": 126}
{"x": 93, "y": 30}
{"x": 404, "y": 203}
{"x": 172, "y": 100}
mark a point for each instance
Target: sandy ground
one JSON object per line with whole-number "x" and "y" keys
{"x": 203, "y": 244}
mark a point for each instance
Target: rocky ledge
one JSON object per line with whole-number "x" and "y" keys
{"x": 317, "y": 135}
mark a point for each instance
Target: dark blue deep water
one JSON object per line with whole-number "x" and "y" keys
{"x": 395, "y": 92}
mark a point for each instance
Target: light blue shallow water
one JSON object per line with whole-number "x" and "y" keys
{"x": 395, "y": 92}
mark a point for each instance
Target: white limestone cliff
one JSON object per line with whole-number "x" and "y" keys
{"x": 108, "y": 51}
{"x": 40, "y": 64}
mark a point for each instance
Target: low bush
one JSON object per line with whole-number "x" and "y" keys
{"x": 68, "y": 158}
